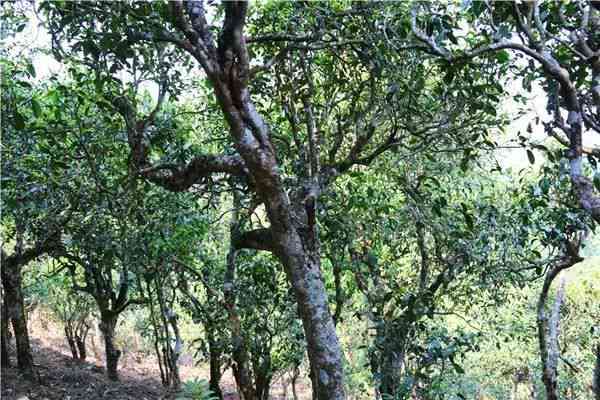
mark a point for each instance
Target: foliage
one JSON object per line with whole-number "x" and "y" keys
{"x": 330, "y": 166}
{"x": 196, "y": 389}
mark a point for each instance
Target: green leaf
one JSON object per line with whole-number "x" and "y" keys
{"x": 502, "y": 56}
{"x": 530, "y": 156}
{"x": 19, "y": 121}
{"x": 35, "y": 106}
{"x": 597, "y": 181}
{"x": 31, "y": 69}
{"x": 458, "y": 368}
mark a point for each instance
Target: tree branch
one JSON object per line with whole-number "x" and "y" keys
{"x": 258, "y": 239}
{"x": 180, "y": 178}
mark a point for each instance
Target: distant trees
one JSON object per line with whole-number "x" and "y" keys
{"x": 50, "y": 287}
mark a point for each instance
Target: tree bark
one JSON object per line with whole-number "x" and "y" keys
{"x": 596, "y": 375}
{"x": 215, "y": 363}
{"x": 324, "y": 351}
{"x": 5, "y": 340}
{"x": 174, "y": 352}
{"x": 72, "y": 345}
{"x": 548, "y": 332}
{"x": 390, "y": 374}
{"x": 295, "y": 376}
{"x": 11, "y": 280}
{"x": 293, "y": 231}
{"x": 240, "y": 368}
{"x": 262, "y": 375}
{"x": 392, "y": 359}
{"x": 80, "y": 342}
{"x": 107, "y": 326}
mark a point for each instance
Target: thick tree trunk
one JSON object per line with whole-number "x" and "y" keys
{"x": 390, "y": 374}
{"x": 107, "y": 326}
{"x": 262, "y": 377}
{"x": 293, "y": 233}
{"x": 387, "y": 357}
{"x": 11, "y": 280}
{"x": 324, "y": 351}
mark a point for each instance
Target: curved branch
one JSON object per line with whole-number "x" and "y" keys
{"x": 182, "y": 177}
{"x": 258, "y": 239}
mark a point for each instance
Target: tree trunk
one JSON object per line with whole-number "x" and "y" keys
{"x": 240, "y": 368}
{"x": 390, "y": 374}
{"x": 174, "y": 352}
{"x": 4, "y": 343}
{"x": 294, "y": 237}
{"x": 158, "y": 336}
{"x": 387, "y": 362}
{"x": 71, "y": 341}
{"x": 323, "y": 347}
{"x": 107, "y": 326}
{"x": 80, "y": 342}
{"x": 263, "y": 387}
{"x": 295, "y": 376}
{"x": 596, "y": 376}
{"x": 263, "y": 376}
{"x": 5, "y": 335}
{"x": 548, "y": 331}
{"x": 11, "y": 280}
{"x": 81, "y": 331}
{"x": 215, "y": 363}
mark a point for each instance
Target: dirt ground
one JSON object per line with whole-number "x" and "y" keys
{"x": 60, "y": 378}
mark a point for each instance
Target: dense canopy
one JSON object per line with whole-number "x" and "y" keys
{"x": 390, "y": 200}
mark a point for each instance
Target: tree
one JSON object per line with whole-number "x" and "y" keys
{"x": 457, "y": 244}
{"x": 38, "y": 197}
{"x": 324, "y": 149}
{"x": 51, "y": 287}
{"x": 102, "y": 259}
{"x": 562, "y": 42}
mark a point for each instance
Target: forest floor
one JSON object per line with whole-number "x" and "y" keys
{"x": 61, "y": 378}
